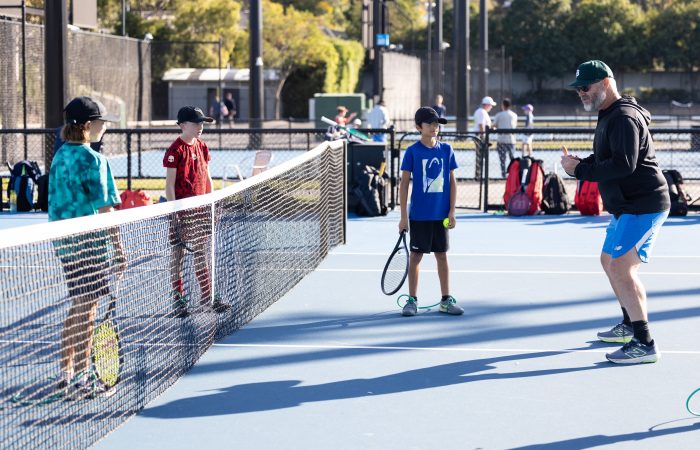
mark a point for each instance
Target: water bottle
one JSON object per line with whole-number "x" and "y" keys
{"x": 13, "y": 201}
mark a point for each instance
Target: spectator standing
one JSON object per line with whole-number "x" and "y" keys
{"x": 378, "y": 117}
{"x": 505, "y": 119}
{"x": 529, "y": 123}
{"x": 482, "y": 120}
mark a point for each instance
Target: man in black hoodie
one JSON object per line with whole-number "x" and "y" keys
{"x": 634, "y": 191}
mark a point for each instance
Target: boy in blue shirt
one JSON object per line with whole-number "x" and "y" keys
{"x": 431, "y": 164}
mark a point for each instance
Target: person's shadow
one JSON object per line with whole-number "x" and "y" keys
{"x": 273, "y": 395}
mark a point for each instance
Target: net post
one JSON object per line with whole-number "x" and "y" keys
{"x": 212, "y": 255}
{"x": 344, "y": 190}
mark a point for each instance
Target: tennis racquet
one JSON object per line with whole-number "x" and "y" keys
{"x": 107, "y": 357}
{"x": 350, "y": 131}
{"x": 396, "y": 268}
{"x": 519, "y": 203}
{"x": 178, "y": 235}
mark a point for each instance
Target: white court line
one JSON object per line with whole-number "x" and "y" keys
{"x": 512, "y": 255}
{"x": 439, "y": 349}
{"x": 524, "y": 272}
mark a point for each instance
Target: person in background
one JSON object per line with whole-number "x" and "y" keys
{"x": 342, "y": 118}
{"x": 81, "y": 184}
{"x": 482, "y": 120}
{"x": 505, "y": 119}
{"x": 439, "y": 106}
{"x": 529, "y": 123}
{"x": 378, "y": 117}
{"x": 230, "y": 104}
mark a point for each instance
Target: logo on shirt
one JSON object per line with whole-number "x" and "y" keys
{"x": 194, "y": 156}
{"x": 433, "y": 179}
{"x": 171, "y": 158}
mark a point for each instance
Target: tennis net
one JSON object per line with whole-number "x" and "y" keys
{"x": 182, "y": 274}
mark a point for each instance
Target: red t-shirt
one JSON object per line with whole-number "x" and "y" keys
{"x": 191, "y": 162}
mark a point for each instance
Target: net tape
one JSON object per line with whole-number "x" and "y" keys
{"x": 252, "y": 242}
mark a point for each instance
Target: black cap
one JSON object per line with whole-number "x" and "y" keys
{"x": 426, "y": 114}
{"x": 85, "y": 109}
{"x": 192, "y": 114}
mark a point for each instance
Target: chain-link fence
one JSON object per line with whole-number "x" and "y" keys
{"x": 114, "y": 69}
{"x": 136, "y": 155}
{"x": 677, "y": 149}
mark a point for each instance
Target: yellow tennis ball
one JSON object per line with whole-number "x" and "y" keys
{"x": 446, "y": 222}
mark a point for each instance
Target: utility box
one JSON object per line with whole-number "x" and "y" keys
{"x": 327, "y": 105}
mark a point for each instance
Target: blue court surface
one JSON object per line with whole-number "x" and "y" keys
{"x": 333, "y": 365}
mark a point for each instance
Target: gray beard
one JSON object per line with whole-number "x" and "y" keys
{"x": 596, "y": 101}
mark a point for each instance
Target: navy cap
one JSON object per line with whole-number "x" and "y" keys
{"x": 192, "y": 114}
{"x": 85, "y": 109}
{"x": 426, "y": 114}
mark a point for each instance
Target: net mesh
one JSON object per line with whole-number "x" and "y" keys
{"x": 182, "y": 273}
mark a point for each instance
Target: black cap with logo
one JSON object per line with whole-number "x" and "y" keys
{"x": 192, "y": 114}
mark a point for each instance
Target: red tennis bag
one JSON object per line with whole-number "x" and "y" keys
{"x": 588, "y": 200}
{"x": 525, "y": 174}
{"x": 134, "y": 199}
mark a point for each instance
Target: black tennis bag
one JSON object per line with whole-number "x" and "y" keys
{"x": 555, "y": 200}
{"x": 370, "y": 190}
{"x": 42, "y": 184}
{"x": 23, "y": 177}
{"x": 676, "y": 189}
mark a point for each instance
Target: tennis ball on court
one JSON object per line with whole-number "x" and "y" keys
{"x": 446, "y": 222}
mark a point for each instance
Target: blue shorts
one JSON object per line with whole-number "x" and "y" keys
{"x": 633, "y": 231}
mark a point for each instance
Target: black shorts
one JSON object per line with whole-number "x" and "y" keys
{"x": 86, "y": 279}
{"x": 428, "y": 236}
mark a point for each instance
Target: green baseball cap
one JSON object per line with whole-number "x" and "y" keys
{"x": 591, "y": 72}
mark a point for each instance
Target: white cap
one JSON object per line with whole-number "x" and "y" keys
{"x": 488, "y": 101}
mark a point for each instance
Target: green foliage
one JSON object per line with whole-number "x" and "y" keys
{"x": 351, "y": 54}
{"x": 675, "y": 34}
{"x": 610, "y": 30}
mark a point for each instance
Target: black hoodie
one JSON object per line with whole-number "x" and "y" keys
{"x": 624, "y": 162}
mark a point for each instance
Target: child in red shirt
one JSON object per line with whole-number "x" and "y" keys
{"x": 187, "y": 166}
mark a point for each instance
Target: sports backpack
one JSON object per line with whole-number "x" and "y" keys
{"x": 532, "y": 183}
{"x": 370, "y": 189}
{"x": 23, "y": 178}
{"x": 676, "y": 190}
{"x": 587, "y": 199}
{"x": 555, "y": 199}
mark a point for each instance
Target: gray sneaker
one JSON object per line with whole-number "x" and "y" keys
{"x": 620, "y": 333}
{"x": 449, "y": 306}
{"x": 634, "y": 352}
{"x": 410, "y": 308}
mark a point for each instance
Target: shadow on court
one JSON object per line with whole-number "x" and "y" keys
{"x": 266, "y": 396}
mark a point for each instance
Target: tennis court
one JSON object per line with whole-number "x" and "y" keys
{"x": 333, "y": 365}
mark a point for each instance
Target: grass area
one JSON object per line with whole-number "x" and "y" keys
{"x": 153, "y": 184}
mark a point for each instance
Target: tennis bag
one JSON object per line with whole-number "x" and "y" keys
{"x": 587, "y": 199}
{"x": 23, "y": 177}
{"x": 42, "y": 184}
{"x": 555, "y": 199}
{"x": 134, "y": 199}
{"x": 370, "y": 190}
{"x": 532, "y": 183}
{"x": 676, "y": 189}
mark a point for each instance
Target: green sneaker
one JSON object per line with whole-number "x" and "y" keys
{"x": 449, "y": 306}
{"x": 410, "y": 308}
{"x": 179, "y": 304}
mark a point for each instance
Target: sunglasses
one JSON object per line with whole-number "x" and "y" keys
{"x": 586, "y": 88}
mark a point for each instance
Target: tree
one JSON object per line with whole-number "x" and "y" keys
{"x": 534, "y": 35}
{"x": 614, "y": 31}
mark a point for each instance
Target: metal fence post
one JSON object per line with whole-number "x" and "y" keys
{"x": 128, "y": 160}
{"x": 485, "y": 178}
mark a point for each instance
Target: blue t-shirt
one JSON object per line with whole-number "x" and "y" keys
{"x": 430, "y": 170}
